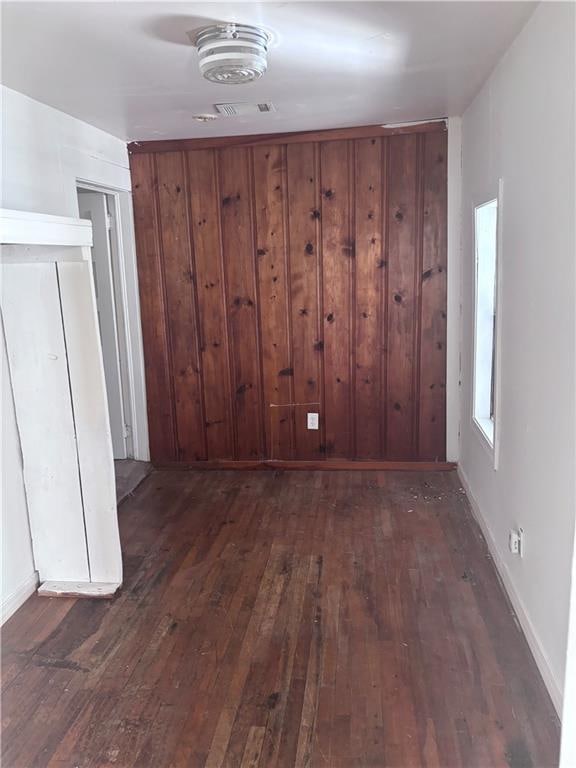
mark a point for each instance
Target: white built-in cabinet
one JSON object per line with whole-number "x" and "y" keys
{"x": 57, "y": 376}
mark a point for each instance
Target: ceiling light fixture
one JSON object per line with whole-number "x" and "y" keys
{"x": 232, "y": 53}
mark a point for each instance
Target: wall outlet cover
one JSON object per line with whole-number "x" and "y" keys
{"x": 312, "y": 421}
{"x": 516, "y": 542}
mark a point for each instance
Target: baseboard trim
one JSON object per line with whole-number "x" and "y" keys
{"x": 326, "y": 464}
{"x": 524, "y": 620}
{"x": 18, "y": 597}
{"x": 93, "y": 589}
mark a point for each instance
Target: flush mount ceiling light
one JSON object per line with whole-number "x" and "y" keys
{"x": 232, "y": 53}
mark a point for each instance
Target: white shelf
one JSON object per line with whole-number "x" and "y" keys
{"x": 28, "y": 228}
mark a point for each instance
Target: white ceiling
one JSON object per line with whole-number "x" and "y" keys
{"x": 129, "y": 68}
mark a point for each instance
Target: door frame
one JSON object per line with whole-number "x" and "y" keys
{"x": 128, "y": 321}
{"x": 98, "y": 207}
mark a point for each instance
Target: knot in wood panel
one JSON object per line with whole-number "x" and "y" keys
{"x": 230, "y": 199}
{"x": 246, "y": 302}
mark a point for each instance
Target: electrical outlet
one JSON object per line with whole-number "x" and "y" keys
{"x": 312, "y": 421}
{"x": 516, "y": 542}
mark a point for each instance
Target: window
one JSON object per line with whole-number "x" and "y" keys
{"x": 485, "y": 230}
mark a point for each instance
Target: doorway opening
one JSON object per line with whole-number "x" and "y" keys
{"x": 101, "y": 207}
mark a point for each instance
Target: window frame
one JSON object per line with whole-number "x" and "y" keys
{"x": 488, "y": 429}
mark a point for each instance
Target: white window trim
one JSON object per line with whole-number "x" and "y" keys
{"x": 485, "y": 427}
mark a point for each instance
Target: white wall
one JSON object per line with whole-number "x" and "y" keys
{"x": 45, "y": 153}
{"x": 520, "y": 128}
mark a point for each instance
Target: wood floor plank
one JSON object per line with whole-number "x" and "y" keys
{"x": 281, "y": 619}
{"x": 252, "y": 751}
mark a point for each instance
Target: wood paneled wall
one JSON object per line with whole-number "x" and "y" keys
{"x": 282, "y": 278}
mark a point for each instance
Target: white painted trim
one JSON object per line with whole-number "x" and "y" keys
{"x": 134, "y": 346}
{"x": 454, "y": 309}
{"x": 122, "y": 336}
{"x": 498, "y": 309}
{"x": 99, "y": 208}
{"x": 29, "y": 228}
{"x": 100, "y": 589}
{"x": 538, "y": 651}
{"x": 568, "y": 736}
{"x": 485, "y": 428}
{"x": 131, "y": 326}
{"x": 18, "y": 597}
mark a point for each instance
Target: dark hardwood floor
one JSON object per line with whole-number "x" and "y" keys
{"x": 129, "y": 474}
{"x": 282, "y": 619}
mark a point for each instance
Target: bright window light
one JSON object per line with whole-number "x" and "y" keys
{"x": 485, "y": 231}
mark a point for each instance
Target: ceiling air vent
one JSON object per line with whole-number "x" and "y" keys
{"x": 241, "y": 109}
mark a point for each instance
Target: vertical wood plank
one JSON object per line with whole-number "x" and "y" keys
{"x": 91, "y": 420}
{"x": 160, "y": 403}
{"x": 278, "y": 372}
{"x": 321, "y": 287}
{"x": 337, "y": 267}
{"x": 180, "y": 304}
{"x": 401, "y": 300}
{"x": 307, "y": 343}
{"x": 239, "y": 269}
{"x": 213, "y": 337}
{"x": 370, "y": 271}
{"x": 432, "y": 396}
